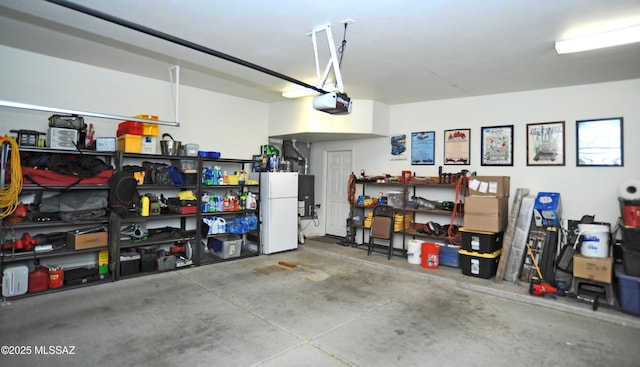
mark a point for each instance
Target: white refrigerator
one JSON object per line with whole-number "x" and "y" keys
{"x": 279, "y": 210}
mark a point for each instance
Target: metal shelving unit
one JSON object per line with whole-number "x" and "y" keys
{"x": 409, "y": 230}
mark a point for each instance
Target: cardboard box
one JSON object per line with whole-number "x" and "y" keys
{"x": 494, "y": 186}
{"x": 486, "y": 214}
{"x": 598, "y": 269}
{"x": 547, "y": 210}
{"x": 87, "y": 240}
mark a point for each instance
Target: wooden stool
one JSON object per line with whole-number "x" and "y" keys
{"x": 593, "y": 288}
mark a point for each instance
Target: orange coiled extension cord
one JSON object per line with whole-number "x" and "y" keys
{"x": 9, "y": 196}
{"x": 351, "y": 188}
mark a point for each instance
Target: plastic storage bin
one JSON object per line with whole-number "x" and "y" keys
{"x": 479, "y": 265}
{"x": 130, "y": 143}
{"x": 629, "y": 291}
{"x": 479, "y": 241}
{"x": 395, "y": 198}
{"x": 631, "y": 261}
{"x": 191, "y": 150}
{"x": 449, "y": 255}
{"x": 130, "y": 127}
{"x": 226, "y": 247}
{"x": 150, "y": 129}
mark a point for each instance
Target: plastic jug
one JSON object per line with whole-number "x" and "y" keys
{"x": 221, "y": 225}
{"x": 251, "y": 203}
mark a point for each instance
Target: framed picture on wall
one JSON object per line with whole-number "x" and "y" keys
{"x": 545, "y": 144}
{"x": 398, "y": 144}
{"x": 457, "y": 146}
{"x": 599, "y": 142}
{"x": 497, "y": 145}
{"x": 423, "y": 148}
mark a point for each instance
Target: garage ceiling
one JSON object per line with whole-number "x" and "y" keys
{"x": 397, "y": 51}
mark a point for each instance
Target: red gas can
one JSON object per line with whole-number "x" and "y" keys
{"x": 631, "y": 215}
{"x": 56, "y": 276}
{"x": 39, "y": 279}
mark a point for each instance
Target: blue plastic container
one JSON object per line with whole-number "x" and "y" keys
{"x": 449, "y": 255}
{"x": 629, "y": 291}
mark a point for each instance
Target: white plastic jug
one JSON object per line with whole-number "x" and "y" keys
{"x": 216, "y": 225}
{"x": 251, "y": 202}
{"x": 221, "y": 225}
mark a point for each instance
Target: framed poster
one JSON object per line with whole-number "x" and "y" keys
{"x": 497, "y": 145}
{"x": 599, "y": 142}
{"x": 545, "y": 144}
{"x": 457, "y": 146}
{"x": 423, "y": 148}
{"x": 398, "y": 147}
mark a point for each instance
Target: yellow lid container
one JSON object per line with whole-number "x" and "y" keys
{"x": 150, "y": 129}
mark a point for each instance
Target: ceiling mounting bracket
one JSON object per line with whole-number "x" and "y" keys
{"x": 174, "y": 76}
{"x": 333, "y": 59}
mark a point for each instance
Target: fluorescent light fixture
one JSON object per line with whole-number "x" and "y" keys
{"x": 601, "y": 40}
{"x": 299, "y": 92}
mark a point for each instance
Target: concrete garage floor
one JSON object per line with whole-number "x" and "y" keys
{"x": 338, "y": 307}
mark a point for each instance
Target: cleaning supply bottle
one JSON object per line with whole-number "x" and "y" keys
{"x": 144, "y": 203}
{"x": 251, "y": 201}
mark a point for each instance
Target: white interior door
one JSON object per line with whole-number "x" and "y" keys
{"x": 339, "y": 167}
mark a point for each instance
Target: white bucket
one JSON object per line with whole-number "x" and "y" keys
{"x": 414, "y": 251}
{"x": 595, "y": 240}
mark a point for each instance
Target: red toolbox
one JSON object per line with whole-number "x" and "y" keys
{"x": 175, "y": 205}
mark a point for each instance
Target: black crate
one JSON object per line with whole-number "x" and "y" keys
{"x": 80, "y": 276}
{"x": 148, "y": 262}
{"x": 129, "y": 263}
{"x": 479, "y": 265}
{"x": 631, "y": 261}
{"x": 631, "y": 238}
{"x": 147, "y": 258}
{"x": 482, "y": 242}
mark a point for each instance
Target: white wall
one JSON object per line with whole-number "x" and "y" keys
{"x": 584, "y": 190}
{"x": 236, "y": 127}
{"x": 299, "y": 116}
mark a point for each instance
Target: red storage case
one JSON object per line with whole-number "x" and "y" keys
{"x": 130, "y": 127}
